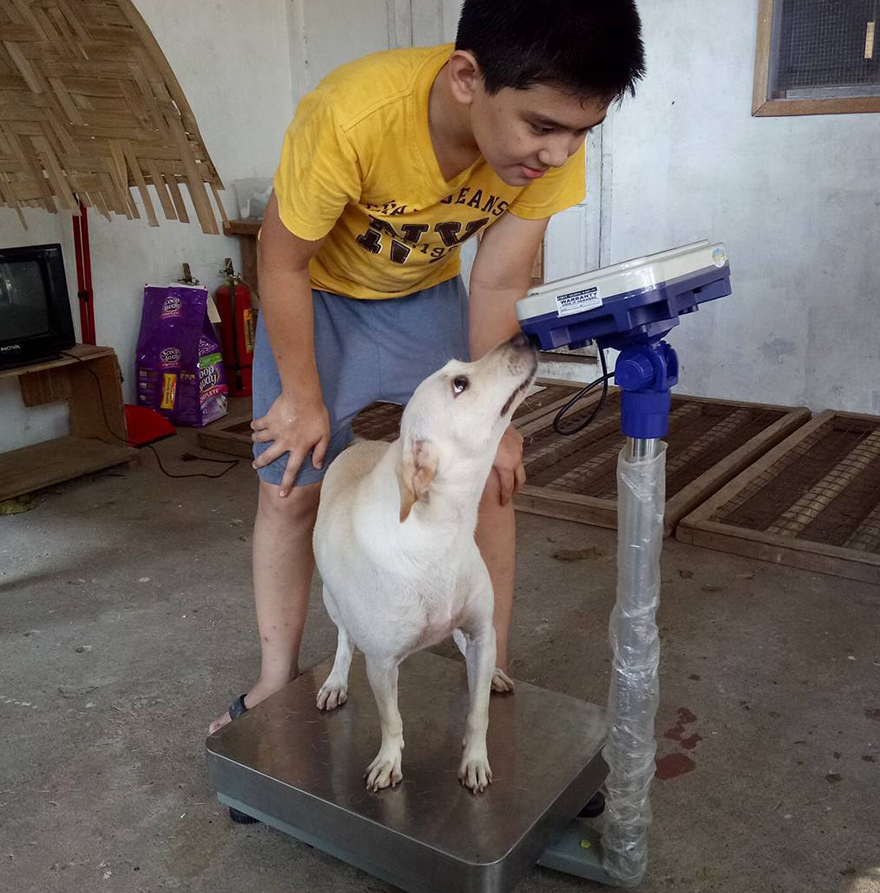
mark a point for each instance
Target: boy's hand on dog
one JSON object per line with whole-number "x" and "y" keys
{"x": 509, "y": 464}
{"x": 294, "y": 424}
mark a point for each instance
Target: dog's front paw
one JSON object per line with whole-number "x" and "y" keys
{"x": 333, "y": 694}
{"x": 501, "y": 682}
{"x": 474, "y": 772}
{"x": 384, "y": 771}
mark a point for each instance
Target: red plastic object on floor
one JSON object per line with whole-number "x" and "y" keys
{"x": 145, "y": 425}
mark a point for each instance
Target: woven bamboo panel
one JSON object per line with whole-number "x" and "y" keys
{"x": 812, "y": 502}
{"x": 710, "y": 441}
{"x": 89, "y": 108}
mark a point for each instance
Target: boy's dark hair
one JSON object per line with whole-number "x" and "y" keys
{"x": 591, "y": 48}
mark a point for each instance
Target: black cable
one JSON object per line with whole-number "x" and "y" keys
{"x": 187, "y": 457}
{"x": 603, "y": 378}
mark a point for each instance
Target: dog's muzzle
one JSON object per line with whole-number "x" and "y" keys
{"x": 523, "y": 351}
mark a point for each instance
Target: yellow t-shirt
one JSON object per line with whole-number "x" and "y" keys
{"x": 358, "y": 163}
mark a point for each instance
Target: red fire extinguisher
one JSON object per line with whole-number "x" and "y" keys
{"x": 238, "y": 323}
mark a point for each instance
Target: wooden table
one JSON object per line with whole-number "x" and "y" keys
{"x": 97, "y": 436}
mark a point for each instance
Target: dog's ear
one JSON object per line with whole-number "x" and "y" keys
{"x": 415, "y": 471}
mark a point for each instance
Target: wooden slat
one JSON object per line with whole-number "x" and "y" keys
{"x": 177, "y": 198}
{"x": 159, "y": 185}
{"x": 706, "y": 525}
{"x": 796, "y": 518}
{"x": 762, "y": 55}
{"x": 134, "y": 169}
{"x": 867, "y": 533}
{"x": 48, "y": 386}
{"x": 559, "y": 479}
{"x": 242, "y": 227}
{"x": 45, "y": 464}
{"x": 82, "y": 351}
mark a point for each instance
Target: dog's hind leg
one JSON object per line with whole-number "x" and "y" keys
{"x": 474, "y": 771}
{"x": 334, "y": 691}
{"x": 385, "y": 771}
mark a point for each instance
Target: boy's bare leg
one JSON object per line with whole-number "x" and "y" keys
{"x": 496, "y": 539}
{"x": 283, "y": 564}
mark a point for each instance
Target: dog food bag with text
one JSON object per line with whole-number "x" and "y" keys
{"x": 178, "y": 364}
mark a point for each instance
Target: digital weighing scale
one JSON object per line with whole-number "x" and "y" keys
{"x": 300, "y": 770}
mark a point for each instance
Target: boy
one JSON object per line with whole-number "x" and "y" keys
{"x": 389, "y": 165}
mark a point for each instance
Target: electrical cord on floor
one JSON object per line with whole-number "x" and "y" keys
{"x": 603, "y": 379}
{"x": 186, "y": 457}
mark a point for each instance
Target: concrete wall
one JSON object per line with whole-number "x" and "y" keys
{"x": 796, "y": 200}
{"x": 234, "y": 67}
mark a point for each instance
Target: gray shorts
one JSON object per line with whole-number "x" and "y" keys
{"x": 366, "y": 351}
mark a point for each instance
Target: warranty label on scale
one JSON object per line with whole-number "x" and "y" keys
{"x": 578, "y": 301}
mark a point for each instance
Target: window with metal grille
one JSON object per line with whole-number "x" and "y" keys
{"x": 817, "y": 57}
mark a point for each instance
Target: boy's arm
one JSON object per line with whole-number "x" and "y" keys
{"x": 297, "y": 421}
{"x": 501, "y": 275}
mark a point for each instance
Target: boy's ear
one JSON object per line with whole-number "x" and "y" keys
{"x": 415, "y": 471}
{"x": 464, "y": 75}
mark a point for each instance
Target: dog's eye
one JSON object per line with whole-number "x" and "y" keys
{"x": 459, "y": 384}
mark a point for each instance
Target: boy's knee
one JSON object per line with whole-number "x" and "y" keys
{"x": 300, "y": 506}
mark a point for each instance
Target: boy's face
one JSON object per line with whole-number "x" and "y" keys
{"x": 524, "y": 133}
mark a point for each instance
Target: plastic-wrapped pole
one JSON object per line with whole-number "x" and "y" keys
{"x": 634, "y": 690}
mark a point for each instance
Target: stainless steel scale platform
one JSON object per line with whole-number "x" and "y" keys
{"x": 300, "y": 770}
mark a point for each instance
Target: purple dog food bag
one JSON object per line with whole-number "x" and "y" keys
{"x": 179, "y": 366}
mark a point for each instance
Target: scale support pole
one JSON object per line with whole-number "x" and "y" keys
{"x": 634, "y": 691}
{"x": 645, "y": 372}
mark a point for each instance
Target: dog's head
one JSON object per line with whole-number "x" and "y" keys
{"x": 453, "y": 423}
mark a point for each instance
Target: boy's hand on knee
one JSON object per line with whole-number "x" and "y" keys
{"x": 508, "y": 464}
{"x": 294, "y": 425}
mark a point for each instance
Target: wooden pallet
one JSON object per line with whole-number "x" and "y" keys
{"x": 811, "y": 502}
{"x": 710, "y": 442}
{"x": 381, "y": 421}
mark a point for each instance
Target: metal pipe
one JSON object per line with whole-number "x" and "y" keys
{"x": 640, "y": 448}
{"x": 633, "y": 692}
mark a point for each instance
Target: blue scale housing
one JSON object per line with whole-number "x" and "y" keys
{"x": 630, "y": 307}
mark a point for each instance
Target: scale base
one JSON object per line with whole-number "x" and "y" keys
{"x": 301, "y": 770}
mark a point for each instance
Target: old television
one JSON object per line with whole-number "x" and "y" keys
{"x": 35, "y": 318}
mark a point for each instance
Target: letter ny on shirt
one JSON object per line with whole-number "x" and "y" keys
{"x": 358, "y": 164}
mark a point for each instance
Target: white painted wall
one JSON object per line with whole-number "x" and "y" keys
{"x": 796, "y": 200}
{"x": 234, "y": 65}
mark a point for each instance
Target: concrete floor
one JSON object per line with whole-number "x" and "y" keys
{"x": 126, "y": 625}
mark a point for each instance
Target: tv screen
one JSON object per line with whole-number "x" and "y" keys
{"x": 23, "y": 307}
{"x": 35, "y": 318}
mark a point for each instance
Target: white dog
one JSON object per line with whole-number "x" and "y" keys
{"x": 394, "y": 543}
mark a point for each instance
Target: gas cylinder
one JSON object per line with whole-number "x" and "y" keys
{"x": 238, "y": 323}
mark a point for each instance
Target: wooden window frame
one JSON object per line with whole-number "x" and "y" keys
{"x": 763, "y": 106}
